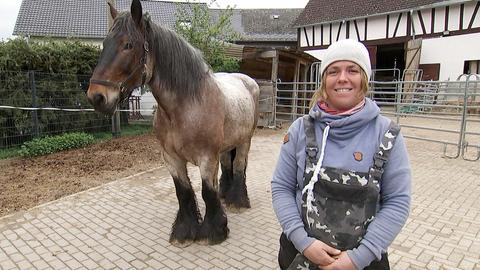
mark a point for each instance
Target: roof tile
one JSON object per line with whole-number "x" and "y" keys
{"x": 319, "y": 11}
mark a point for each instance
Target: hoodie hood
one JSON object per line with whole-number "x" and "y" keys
{"x": 344, "y": 127}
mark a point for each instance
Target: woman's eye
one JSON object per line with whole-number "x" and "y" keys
{"x": 331, "y": 72}
{"x": 354, "y": 71}
{"x": 128, "y": 46}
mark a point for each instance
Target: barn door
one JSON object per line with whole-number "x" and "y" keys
{"x": 412, "y": 54}
{"x": 411, "y": 71}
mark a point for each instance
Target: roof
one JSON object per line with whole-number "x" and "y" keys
{"x": 264, "y": 24}
{"x": 320, "y": 11}
{"x": 82, "y": 18}
{"x": 88, "y": 19}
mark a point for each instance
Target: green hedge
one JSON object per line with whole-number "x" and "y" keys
{"x": 46, "y": 74}
{"x": 51, "y": 144}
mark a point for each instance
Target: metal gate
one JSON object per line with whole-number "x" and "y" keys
{"x": 445, "y": 112}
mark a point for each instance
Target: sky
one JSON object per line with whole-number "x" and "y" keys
{"x": 9, "y": 10}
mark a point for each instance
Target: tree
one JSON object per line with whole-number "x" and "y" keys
{"x": 194, "y": 22}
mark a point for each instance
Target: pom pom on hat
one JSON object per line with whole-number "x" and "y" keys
{"x": 347, "y": 50}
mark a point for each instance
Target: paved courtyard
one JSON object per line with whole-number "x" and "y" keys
{"x": 126, "y": 224}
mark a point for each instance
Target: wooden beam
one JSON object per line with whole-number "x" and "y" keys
{"x": 274, "y": 69}
{"x": 256, "y": 54}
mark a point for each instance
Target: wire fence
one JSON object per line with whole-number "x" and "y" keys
{"x": 35, "y": 104}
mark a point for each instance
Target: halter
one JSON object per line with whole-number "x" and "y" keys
{"x": 122, "y": 85}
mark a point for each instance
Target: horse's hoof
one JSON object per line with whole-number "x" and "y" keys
{"x": 180, "y": 244}
{"x": 235, "y": 209}
{"x": 237, "y": 205}
{"x": 183, "y": 235}
{"x": 213, "y": 238}
{"x": 212, "y": 235}
{"x": 203, "y": 242}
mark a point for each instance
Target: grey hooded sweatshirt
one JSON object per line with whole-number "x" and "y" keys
{"x": 360, "y": 132}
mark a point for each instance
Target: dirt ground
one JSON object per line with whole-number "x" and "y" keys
{"x": 25, "y": 183}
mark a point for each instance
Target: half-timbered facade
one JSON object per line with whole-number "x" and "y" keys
{"x": 440, "y": 37}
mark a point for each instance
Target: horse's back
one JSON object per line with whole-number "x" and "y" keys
{"x": 241, "y": 95}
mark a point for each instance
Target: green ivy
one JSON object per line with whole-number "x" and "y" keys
{"x": 51, "y": 144}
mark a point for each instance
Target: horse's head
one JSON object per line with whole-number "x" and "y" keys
{"x": 122, "y": 63}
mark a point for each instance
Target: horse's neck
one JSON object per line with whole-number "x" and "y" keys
{"x": 176, "y": 64}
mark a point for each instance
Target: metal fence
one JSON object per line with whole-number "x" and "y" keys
{"x": 34, "y": 104}
{"x": 445, "y": 112}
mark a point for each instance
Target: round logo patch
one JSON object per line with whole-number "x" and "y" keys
{"x": 358, "y": 156}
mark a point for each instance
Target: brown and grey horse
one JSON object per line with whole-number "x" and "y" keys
{"x": 202, "y": 118}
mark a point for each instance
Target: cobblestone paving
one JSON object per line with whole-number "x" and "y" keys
{"x": 126, "y": 224}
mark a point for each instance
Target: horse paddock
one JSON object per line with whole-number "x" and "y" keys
{"x": 125, "y": 224}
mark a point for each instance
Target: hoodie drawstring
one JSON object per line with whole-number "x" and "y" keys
{"x": 309, "y": 187}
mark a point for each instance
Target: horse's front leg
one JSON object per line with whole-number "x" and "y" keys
{"x": 214, "y": 228}
{"x": 188, "y": 220}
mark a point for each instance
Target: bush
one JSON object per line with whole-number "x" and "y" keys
{"x": 51, "y": 144}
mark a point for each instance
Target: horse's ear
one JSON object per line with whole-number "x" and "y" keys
{"x": 113, "y": 11}
{"x": 136, "y": 11}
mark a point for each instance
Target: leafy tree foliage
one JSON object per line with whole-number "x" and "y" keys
{"x": 195, "y": 23}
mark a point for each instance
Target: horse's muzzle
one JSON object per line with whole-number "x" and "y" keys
{"x": 100, "y": 102}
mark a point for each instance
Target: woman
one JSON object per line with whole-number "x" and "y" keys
{"x": 342, "y": 186}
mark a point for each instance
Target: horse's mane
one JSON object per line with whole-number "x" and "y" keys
{"x": 179, "y": 66}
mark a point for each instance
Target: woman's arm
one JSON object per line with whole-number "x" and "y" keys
{"x": 284, "y": 190}
{"x": 395, "y": 192}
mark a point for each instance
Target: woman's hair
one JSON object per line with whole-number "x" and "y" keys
{"x": 321, "y": 93}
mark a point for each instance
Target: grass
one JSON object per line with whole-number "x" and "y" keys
{"x": 130, "y": 130}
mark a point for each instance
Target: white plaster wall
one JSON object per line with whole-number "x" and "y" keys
{"x": 376, "y": 27}
{"x": 147, "y": 103}
{"x": 451, "y": 53}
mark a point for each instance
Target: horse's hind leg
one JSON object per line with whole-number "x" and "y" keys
{"x": 236, "y": 197}
{"x": 226, "y": 162}
{"x": 214, "y": 228}
{"x": 188, "y": 220}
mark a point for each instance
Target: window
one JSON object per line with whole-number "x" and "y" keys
{"x": 471, "y": 67}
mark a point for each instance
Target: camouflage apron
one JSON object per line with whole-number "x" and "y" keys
{"x": 342, "y": 203}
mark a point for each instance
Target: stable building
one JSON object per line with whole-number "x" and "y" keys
{"x": 435, "y": 40}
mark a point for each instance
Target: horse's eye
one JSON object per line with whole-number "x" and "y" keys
{"x": 128, "y": 46}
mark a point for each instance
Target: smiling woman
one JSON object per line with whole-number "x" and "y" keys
{"x": 346, "y": 168}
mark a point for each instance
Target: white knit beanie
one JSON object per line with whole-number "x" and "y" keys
{"x": 349, "y": 50}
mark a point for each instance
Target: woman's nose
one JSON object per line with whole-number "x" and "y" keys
{"x": 342, "y": 76}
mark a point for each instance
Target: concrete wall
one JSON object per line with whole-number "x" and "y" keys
{"x": 450, "y": 53}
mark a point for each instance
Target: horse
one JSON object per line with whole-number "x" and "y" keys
{"x": 203, "y": 118}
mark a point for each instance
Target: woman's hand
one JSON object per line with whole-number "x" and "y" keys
{"x": 320, "y": 253}
{"x": 342, "y": 262}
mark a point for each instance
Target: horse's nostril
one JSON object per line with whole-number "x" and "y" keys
{"x": 98, "y": 99}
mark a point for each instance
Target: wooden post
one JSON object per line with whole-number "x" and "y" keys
{"x": 296, "y": 78}
{"x": 274, "y": 67}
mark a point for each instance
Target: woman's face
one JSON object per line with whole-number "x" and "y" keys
{"x": 343, "y": 85}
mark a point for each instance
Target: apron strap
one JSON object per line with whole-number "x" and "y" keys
{"x": 381, "y": 157}
{"x": 312, "y": 146}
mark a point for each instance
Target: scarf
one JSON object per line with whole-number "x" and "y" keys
{"x": 324, "y": 106}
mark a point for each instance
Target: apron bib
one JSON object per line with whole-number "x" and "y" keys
{"x": 344, "y": 202}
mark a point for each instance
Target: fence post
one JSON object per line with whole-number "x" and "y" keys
{"x": 33, "y": 88}
{"x": 116, "y": 123}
